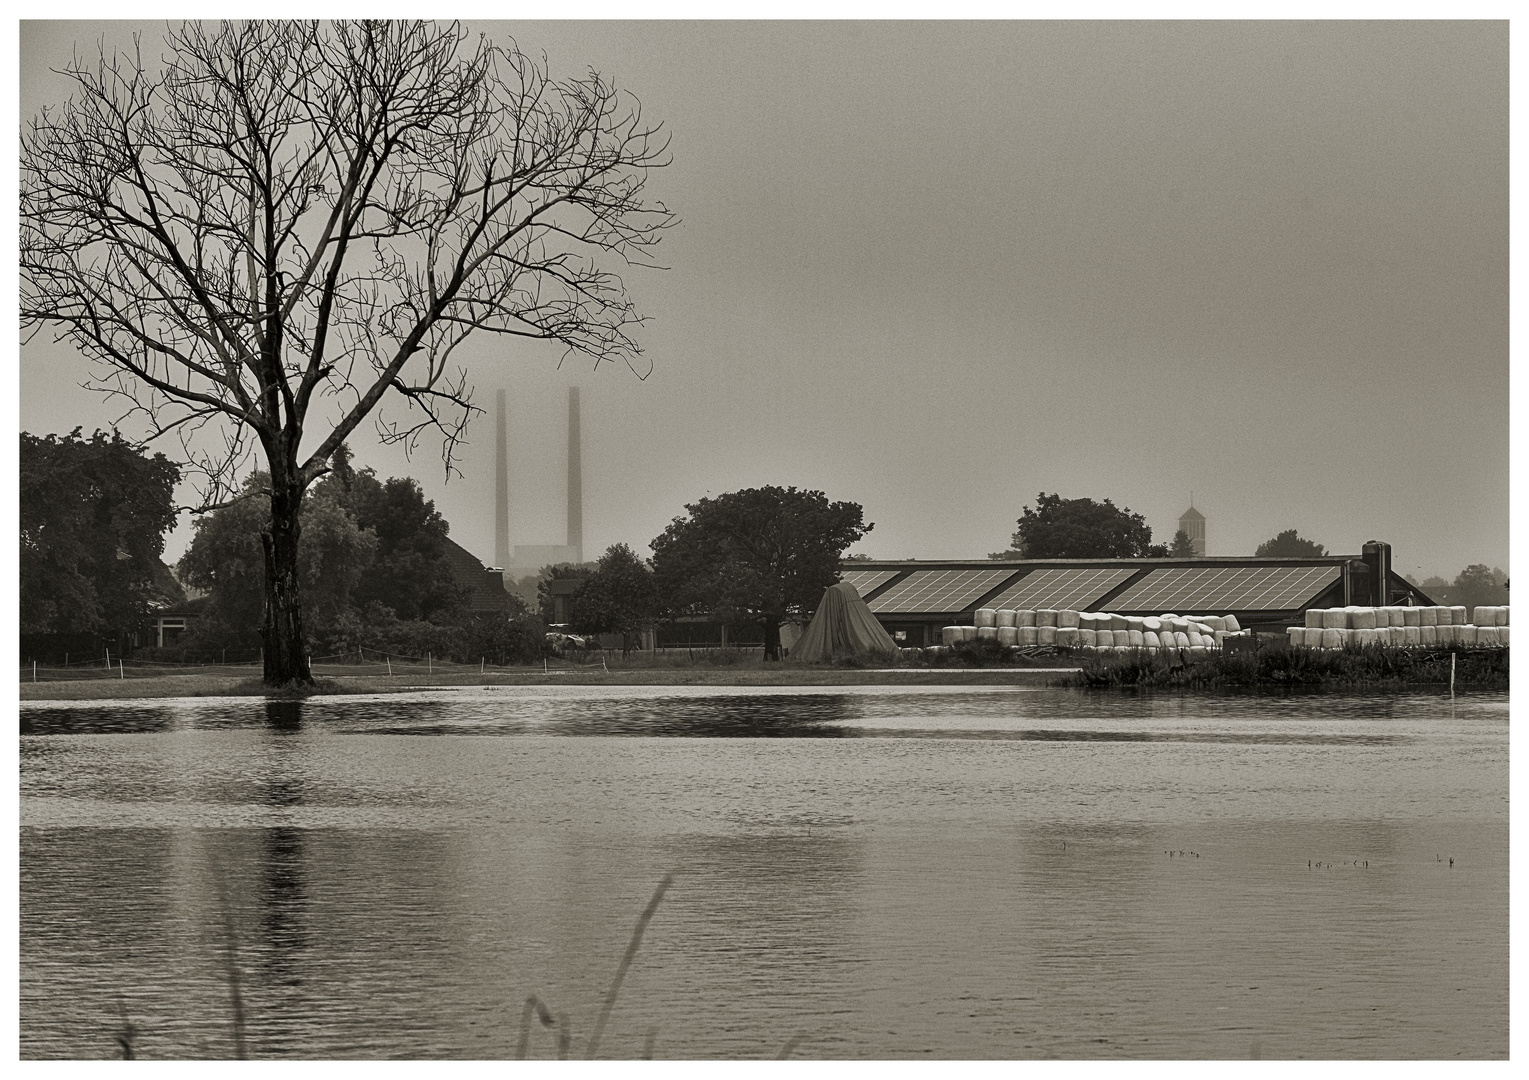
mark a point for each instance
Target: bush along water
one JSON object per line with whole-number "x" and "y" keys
{"x": 1354, "y": 665}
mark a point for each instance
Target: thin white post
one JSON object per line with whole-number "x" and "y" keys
{"x": 389, "y": 659}
{"x": 481, "y": 661}
{"x": 108, "y": 658}
{"x": 1452, "y": 676}
{"x": 430, "y": 663}
{"x": 34, "y": 670}
{"x": 121, "y": 669}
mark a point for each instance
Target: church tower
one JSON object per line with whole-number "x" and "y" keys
{"x": 1192, "y": 524}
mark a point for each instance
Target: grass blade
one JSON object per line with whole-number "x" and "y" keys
{"x": 626, "y": 961}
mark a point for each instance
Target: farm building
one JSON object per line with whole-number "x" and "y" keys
{"x": 913, "y": 599}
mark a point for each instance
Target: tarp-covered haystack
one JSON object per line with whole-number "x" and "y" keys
{"x": 842, "y": 629}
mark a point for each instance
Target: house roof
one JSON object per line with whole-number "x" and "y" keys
{"x": 1191, "y": 515}
{"x": 486, "y": 587}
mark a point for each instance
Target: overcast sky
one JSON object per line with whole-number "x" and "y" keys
{"x": 936, "y": 269}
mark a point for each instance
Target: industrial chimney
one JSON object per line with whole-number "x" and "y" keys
{"x": 575, "y": 480}
{"x": 501, "y": 492}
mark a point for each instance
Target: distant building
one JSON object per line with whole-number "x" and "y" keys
{"x": 485, "y": 584}
{"x": 521, "y": 560}
{"x": 1192, "y": 524}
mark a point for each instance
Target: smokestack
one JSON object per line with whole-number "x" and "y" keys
{"x": 575, "y": 480}
{"x": 501, "y": 492}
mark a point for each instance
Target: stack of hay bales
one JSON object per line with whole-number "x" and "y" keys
{"x": 1096, "y": 631}
{"x": 1399, "y": 627}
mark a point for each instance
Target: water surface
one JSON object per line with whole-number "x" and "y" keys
{"x": 946, "y": 872}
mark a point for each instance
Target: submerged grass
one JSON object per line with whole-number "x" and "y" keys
{"x": 1355, "y": 666}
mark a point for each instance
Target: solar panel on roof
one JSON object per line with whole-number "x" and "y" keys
{"x": 1059, "y": 587}
{"x": 866, "y": 580}
{"x": 1211, "y": 589}
{"x": 939, "y": 590}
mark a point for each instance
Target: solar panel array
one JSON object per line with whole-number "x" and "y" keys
{"x": 1213, "y": 589}
{"x": 939, "y": 590}
{"x": 866, "y": 580}
{"x": 1061, "y": 588}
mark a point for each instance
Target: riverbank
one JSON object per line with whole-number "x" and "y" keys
{"x": 241, "y": 685}
{"x": 1344, "y": 669}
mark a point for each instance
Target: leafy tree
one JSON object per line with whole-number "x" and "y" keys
{"x": 1288, "y": 545}
{"x": 93, "y": 515}
{"x": 410, "y": 573}
{"x": 620, "y": 597}
{"x": 225, "y": 559}
{"x": 763, "y": 554}
{"x": 546, "y": 605}
{"x": 1182, "y": 547}
{"x": 1058, "y": 528}
{"x": 1477, "y": 584}
{"x": 269, "y": 229}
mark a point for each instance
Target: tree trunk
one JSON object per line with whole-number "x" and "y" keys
{"x": 286, "y": 649}
{"x": 771, "y": 625}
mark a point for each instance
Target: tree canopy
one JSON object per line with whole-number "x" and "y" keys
{"x": 620, "y": 597}
{"x": 1181, "y": 546}
{"x": 263, "y": 233}
{"x": 1058, "y": 528}
{"x": 1289, "y": 545}
{"x": 762, "y": 554}
{"x": 94, "y": 513}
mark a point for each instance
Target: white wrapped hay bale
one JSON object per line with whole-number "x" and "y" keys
{"x": 1232, "y": 625}
{"x": 1045, "y": 635}
{"x": 1466, "y": 635}
{"x": 984, "y": 616}
{"x": 1484, "y": 615}
{"x": 949, "y": 635}
{"x": 1398, "y": 616}
{"x": 1196, "y": 639}
{"x": 1005, "y": 617}
{"x": 1382, "y": 618}
{"x": 1428, "y": 616}
{"x": 1334, "y": 618}
{"x": 1411, "y": 616}
{"x": 1117, "y": 622}
{"x": 1447, "y": 634}
{"x": 1445, "y": 616}
{"x": 1008, "y": 635}
{"x": 1297, "y": 636}
{"x": 1024, "y": 617}
{"x": 1067, "y": 636}
{"x": 968, "y": 633}
{"x": 1332, "y": 637}
{"x": 1218, "y": 638}
{"x": 1150, "y": 640}
{"x": 1152, "y": 623}
{"x": 1364, "y": 636}
{"x": 987, "y": 633}
{"x": 1135, "y": 622}
{"x": 1412, "y": 636}
{"x": 1503, "y": 615}
{"x": 1086, "y": 637}
{"x": 1457, "y": 615}
{"x": 1485, "y": 635}
{"x": 1428, "y": 635}
{"x": 1067, "y": 617}
{"x": 1135, "y": 638}
{"x": 1502, "y": 635}
{"x": 1362, "y": 618}
{"x": 1314, "y": 618}
{"x": 1045, "y": 617}
{"x": 1028, "y": 635}
{"x": 1180, "y": 639}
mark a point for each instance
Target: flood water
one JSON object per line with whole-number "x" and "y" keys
{"x": 865, "y": 872}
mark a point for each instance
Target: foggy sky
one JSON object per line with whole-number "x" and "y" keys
{"x": 938, "y": 268}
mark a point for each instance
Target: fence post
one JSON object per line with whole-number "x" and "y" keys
{"x": 1451, "y": 676}
{"x": 389, "y": 659}
{"x": 121, "y": 669}
{"x": 430, "y": 662}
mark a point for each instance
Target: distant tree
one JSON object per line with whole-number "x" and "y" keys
{"x": 857, "y": 557}
{"x": 410, "y": 573}
{"x": 763, "y": 555}
{"x": 1288, "y": 545}
{"x": 546, "y": 605}
{"x": 274, "y": 228}
{"x": 620, "y": 597}
{"x": 93, "y": 517}
{"x": 1476, "y": 584}
{"x": 1058, "y": 528}
{"x": 226, "y": 561}
{"x": 1182, "y": 547}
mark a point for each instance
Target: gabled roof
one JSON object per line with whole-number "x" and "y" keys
{"x": 1191, "y": 515}
{"x": 486, "y": 587}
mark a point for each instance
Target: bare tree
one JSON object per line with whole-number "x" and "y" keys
{"x": 278, "y": 217}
